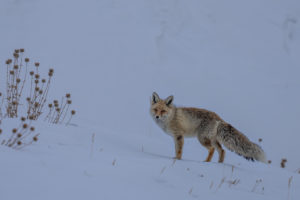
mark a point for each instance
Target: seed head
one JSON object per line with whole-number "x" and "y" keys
{"x": 0, "y": 130}
{"x": 50, "y": 105}
{"x": 19, "y": 143}
{"x": 19, "y": 135}
{"x": 36, "y": 104}
{"x": 35, "y": 138}
{"x": 16, "y": 50}
{"x": 0, "y": 94}
{"x": 32, "y": 128}
{"x": 269, "y": 161}
{"x": 283, "y": 161}
{"x": 51, "y": 71}
{"x": 18, "y": 80}
{"x": 8, "y": 61}
{"x": 55, "y": 102}
{"x": 57, "y": 109}
{"x": 31, "y": 73}
{"x": 14, "y": 130}
{"x": 69, "y": 102}
{"x": 11, "y": 72}
{"x": 22, "y": 50}
{"x": 37, "y": 76}
{"x": 31, "y": 117}
{"x": 28, "y": 99}
{"x": 73, "y": 112}
{"x": 37, "y": 89}
{"x": 25, "y": 126}
{"x": 23, "y": 119}
{"x": 27, "y": 60}
{"x": 37, "y": 64}
{"x": 41, "y": 92}
{"x": 68, "y": 95}
{"x": 14, "y": 103}
{"x": 16, "y": 67}
{"x": 43, "y": 80}
{"x": 16, "y": 55}
{"x": 36, "y": 81}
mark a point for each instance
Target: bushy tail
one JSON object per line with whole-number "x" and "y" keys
{"x": 235, "y": 141}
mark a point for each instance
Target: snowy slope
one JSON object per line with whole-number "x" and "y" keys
{"x": 237, "y": 58}
{"x": 68, "y": 164}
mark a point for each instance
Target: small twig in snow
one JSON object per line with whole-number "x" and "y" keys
{"x": 289, "y": 185}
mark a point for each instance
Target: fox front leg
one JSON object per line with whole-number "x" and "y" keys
{"x": 178, "y": 146}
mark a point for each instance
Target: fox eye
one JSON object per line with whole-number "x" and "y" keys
{"x": 163, "y": 111}
{"x": 155, "y": 110}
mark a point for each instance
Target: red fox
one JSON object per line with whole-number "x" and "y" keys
{"x": 207, "y": 126}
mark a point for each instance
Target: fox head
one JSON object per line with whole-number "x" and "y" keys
{"x": 161, "y": 109}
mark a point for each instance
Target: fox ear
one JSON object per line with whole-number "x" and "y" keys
{"x": 169, "y": 100}
{"x": 155, "y": 98}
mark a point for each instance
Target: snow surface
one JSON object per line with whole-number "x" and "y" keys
{"x": 237, "y": 58}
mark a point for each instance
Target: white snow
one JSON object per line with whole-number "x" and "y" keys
{"x": 237, "y": 58}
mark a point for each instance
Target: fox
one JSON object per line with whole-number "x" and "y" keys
{"x": 210, "y": 129}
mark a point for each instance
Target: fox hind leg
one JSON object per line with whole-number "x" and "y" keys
{"x": 210, "y": 154}
{"x": 207, "y": 144}
{"x": 220, "y": 150}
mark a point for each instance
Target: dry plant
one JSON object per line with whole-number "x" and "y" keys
{"x": 289, "y": 186}
{"x": 1, "y": 104}
{"x": 15, "y": 81}
{"x": 233, "y": 182}
{"x": 59, "y": 110}
{"x": 232, "y": 169}
{"x": 163, "y": 169}
{"x": 16, "y": 78}
{"x": 25, "y": 84}
{"x": 18, "y": 137}
{"x": 257, "y": 183}
{"x": 221, "y": 183}
{"x": 211, "y": 185}
{"x": 39, "y": 89}
{"x": 174, "y": 161}
{"x": 17, "y": 72}
{"x": 114, "y": 162}
{"x": 92, "y": 145}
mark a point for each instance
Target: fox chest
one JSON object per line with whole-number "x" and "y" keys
{"x": 164, "y": 127}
